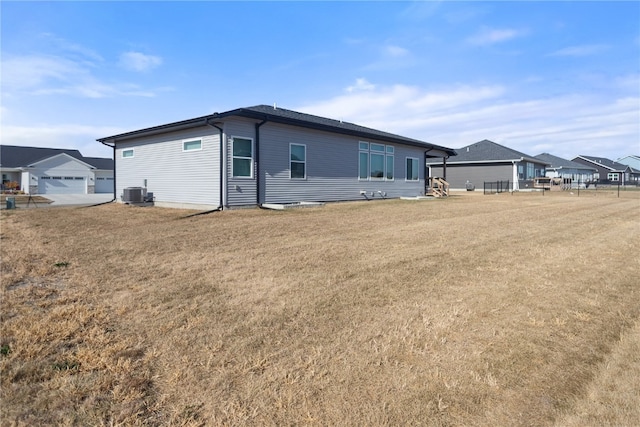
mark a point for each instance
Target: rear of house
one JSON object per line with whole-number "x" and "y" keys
{"x": 610, "y": 172}
{"x": 263, "y": 154}
{"x": 488, "y": 162}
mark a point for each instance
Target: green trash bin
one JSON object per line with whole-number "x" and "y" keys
{"x": 11, "y": 202}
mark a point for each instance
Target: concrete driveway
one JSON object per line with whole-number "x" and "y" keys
{"x": 77, "y": 199}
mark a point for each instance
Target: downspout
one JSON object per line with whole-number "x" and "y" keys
{"x": 424, "y": 164}
{"x": 114, "y": 169}
{"x": 258, "y": 202}
{"x": 444, "y": 167}
{"x": 222, "y": 161}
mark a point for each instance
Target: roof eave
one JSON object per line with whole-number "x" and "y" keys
{"x": 255, "y": 115}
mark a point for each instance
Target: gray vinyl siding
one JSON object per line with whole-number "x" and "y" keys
{"x": 331, "y": 167}
{"x": 240, "y": 191}
{"x": 174, "y": 176}
{"x": 458, "y": 175}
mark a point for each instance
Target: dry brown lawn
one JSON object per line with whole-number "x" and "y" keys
{"x": 517, "y": 310}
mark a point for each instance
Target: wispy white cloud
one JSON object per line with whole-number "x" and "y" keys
{"x": 81, "y": 137}
{"x": 395, "y": 51}
{"x": 582, "y": 50}
{"x": 68, "y": 47}
{"x": 565, "y": 125}
{"x": 360, "y": 85}
{"x": 490, "y": 36}
{"x": 50, "y": 74}
{"x": 140, "y": 62}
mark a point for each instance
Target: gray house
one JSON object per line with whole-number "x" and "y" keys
{"x": 610, "y": 172}
{"x": 35, "y": 170}
{"x": 486, "y": 161}
{"x": 263, "y": 154}
{"x": 574, "y": 172}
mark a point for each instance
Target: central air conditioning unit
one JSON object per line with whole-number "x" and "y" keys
{"x": 134, "y": 194}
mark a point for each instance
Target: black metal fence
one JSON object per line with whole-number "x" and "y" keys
{"x": 494, "y": 187}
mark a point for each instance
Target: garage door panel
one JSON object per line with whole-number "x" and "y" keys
{"x": 104, "y": 185}
{"x": 61, "y": 185}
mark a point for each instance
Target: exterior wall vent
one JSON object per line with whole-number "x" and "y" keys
{"x": 133, "y": 194}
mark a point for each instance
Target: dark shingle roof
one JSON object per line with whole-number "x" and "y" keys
{"x": 489, "y": 151}
{"x": 555, "y": 162}
{"x": 14, "y": 156}
{"x": 99, "y": 162}
{"x": 603, "y": 161}
{"x": 283, "y": 116}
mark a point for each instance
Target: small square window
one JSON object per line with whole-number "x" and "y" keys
{"x": 192, "y": 145}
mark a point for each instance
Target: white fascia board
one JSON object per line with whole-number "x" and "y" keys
{"x": 58, "y": 155}
{"x": 510, "y": 161}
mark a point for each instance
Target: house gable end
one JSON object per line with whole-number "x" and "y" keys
{"x": 62, "y": 159}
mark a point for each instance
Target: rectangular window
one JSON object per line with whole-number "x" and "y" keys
{"x": 298, "y": 161}
{"x": 530, "y": 171}
{"x": 613, "y": 177}
{"x": 520, "y": 172}
{"x": 364, "y": 161}
{"x": 80, "y": 178}
{"x": 127, "y": 153}
{"x": 375, "y": 161}
{"x": 389, "y": 158}
{"x": 242, "y": 163}
{"x": 193, "y": 145}
{"x": 413, "y": 171}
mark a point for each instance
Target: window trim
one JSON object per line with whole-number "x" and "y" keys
{"x": 187, "y": 141}
{"x": 253, "y": 149}
{"x": 362, "y": 150}
{"x": 304, "y": 162}
{"x": 406, "y": 172}
{"x": 370, "y": 149}
{"x": 613, "y": 176}
{"x": 127, "y": 150}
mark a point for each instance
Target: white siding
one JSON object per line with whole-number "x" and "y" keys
{"x": 175, "y": 177}
{"x": 62, "y": 175}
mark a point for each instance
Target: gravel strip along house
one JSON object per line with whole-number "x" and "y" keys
{"x": 267, "y": 155}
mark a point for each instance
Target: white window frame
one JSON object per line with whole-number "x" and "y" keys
{"x": 127, "y": 150}
{"x": 253, "y": 149}
{"x": 378, "y": 152}
{"x": 304, "y": 162}
{"x": 185, "y": 142}
{"x": 361, "y": 151}
{"x": 387, "y": 152}
{"x": 613, "y": 176}
{"x": 417, "y": 166}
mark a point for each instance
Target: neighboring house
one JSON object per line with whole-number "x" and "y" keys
{"x": 54, "y": 171}
{"x": 610, "y": 172}
{"x": 256, "y": 155}
{"x": 486, "y": 161}
{"x": 557, "y": 167}
{"x": 633, "y": 161}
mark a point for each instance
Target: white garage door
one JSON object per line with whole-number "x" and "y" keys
{"x": 104, "y": 185}
{"x": 61, "y": 185}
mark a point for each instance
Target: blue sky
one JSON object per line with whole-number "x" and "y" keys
{"x": 545, "y": 76}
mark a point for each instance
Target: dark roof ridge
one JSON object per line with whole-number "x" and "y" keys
{"x": 284, "y": 116}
